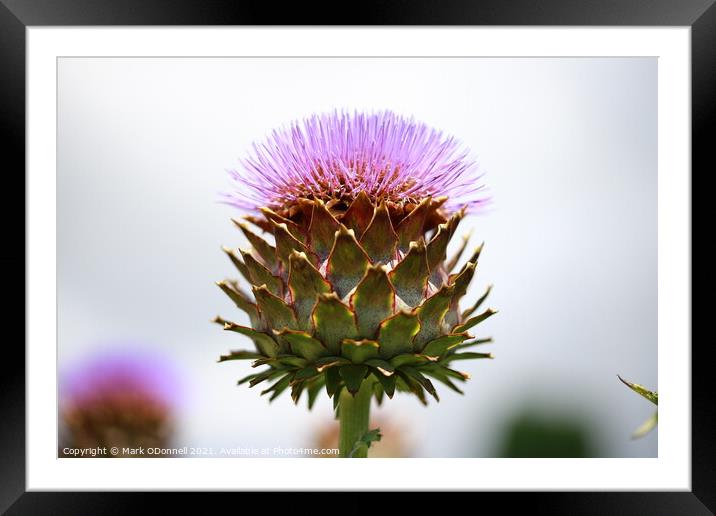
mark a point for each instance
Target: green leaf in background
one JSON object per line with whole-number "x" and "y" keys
{"x": 364, "y": 442}
{"x": 646, "y": 427}
{"x": 652, "y": 396}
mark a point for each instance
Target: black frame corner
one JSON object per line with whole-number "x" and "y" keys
{"x": 16, "y": 15}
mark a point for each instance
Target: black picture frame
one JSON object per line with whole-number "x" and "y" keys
{"x": 16, "y": 15}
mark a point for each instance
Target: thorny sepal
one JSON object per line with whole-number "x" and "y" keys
{"x": 380, "y": 240}
{"x": 410, "y": 276}
{"x": 373, "y": 300}
{"x": 266, "y": 345}
{"x": 347, "y": 262}
{"x": 305, "y": 284}
{"x": 333, "y": 322}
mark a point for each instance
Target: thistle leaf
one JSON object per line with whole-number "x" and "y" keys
{"x": 474, "y": 320}
{"x": 379, "y": 239}
{"x": 240, "y": 355}
{"x": 646, "y": 427}
{"x": 324, "y": 363}
{"x": 454, "y": 222}
{"x": 314, "y": 389}
{"x": 431, "y": 313}
{"x": 424, "y": 382}
{"x": 437, "y": 347}
{"x": 333, "y": 380}
{"x": 336, "y": 400}
{"x": 358, "y": 351}
{"x": 240, "y": 266}
{"x": 269, "y": 374}
{"x": 652, "y": 396}
{"x": 305, "y": 373}
{"x": 266, "y": 251}
{"x": 388, "y": 383}
{"x": 242, "y": 302}
{"x": 277, "y": 220}
{"x": 410, "y": 276}
{"x": 452, "y": 263}
{"x": 322, "y": 230}
{"x": 462, "y": 280}
{"x": 261, "y": 223}
{"x": 305, "y": 283}
{"x": 260, "y": 275}
{"x": 405, "y": 382}
{"x": 434, "y": 216}
{"x": 378, "y": 393}
{"x": 410, "y": 359}
{"x": 276, "y": 312}
{"x": 266, "y": 345}
{"x": 458, "y": 375}
{"x": 383, "y": 367}
{"x": 476, "y": 342}
{"x": 347, "y": 262}
{"x": 396, "y": 334}
{"x": 468, "y": 355}
{"x": 353, "y": 376}
{"x": 467, "y": 313}
{"x": 304, "y": 345}
{"x": 278, "y": 387}
{"x": 364, "y": 442}
{"x": 291, "y": 361}
{"x": 219, "y": 320}
{"x": 296, "y": 391}
{"x": 333, "y": 322}
{"x": 373, "y": 300}
{"x": 476, "y": 253}
{"x": 247, "y": 378}
{"x": 437, "y": 247}
{"x": 437, "y": 373}
{"x": 286, "y": 243}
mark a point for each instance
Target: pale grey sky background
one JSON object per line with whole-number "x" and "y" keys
{"x": 569, "y": 147}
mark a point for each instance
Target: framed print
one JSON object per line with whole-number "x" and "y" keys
{"x": 454, "y": 242}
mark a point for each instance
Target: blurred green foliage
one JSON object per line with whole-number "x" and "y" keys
{"x": 528, "y": 435}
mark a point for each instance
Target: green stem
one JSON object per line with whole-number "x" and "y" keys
{"x": 354, "y": 414}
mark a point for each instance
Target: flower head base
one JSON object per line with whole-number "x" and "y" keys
{"x": 335, "y": 157}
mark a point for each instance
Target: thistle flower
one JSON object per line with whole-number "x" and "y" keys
{"x": 334, "y": 157}
{"x": 352, "y": 289}
{"x": 118, "y": 399}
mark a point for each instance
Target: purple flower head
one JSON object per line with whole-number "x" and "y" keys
{"x": 336, "y": 156}
{"x": 117, "y": 376}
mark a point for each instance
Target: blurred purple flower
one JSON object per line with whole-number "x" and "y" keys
{"x": 120, "y": 372}
{"x": 338, "y": 155}
{"x": 123, "y": 398}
